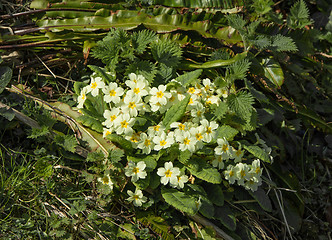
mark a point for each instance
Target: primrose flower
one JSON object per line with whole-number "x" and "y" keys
{"x": 146, "y": 143}
{"x": 256, "y": 170}
{"x": 82, "y": 97}
{"x": 106, "y": 180}
{"x": 223, "y": 148}
{"x": 238, "y": 154}
{"x": 212, "y": 99}
{"x": 133, "y": 138}
{"x": 253, "y": 184}
{"x": 111, "y": 116}
{"x": 198, "y": 133}
{"x": 168, "y": 173}
{"x": 242, "y": 173}
{"x": 179, "y": 181}
{"x": 159, "y": 95}
{"x": 131, "y": 104}
{"x": 209, "y": 86}
{"x": 198, "y": 112}
{"x": 218, "y": 162}
{"x": 123, "y": 124}
{"x": 186, "y": 141}
{"x": 138, "y": 85}
{"x": 163, "y": 141}
{"x": 96, "y": 84}
{"x": 112, "y": 93}
{"x": 107, "y": 131}
{"x": 230, "y": 174}
{"x": 209, "y": 130}
{"x": 136, "y": 171}
{"x": 156, "y": 130}
{"x": 137, "y": 197}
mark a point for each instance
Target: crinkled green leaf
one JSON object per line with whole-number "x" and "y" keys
{"x": 68, "y": 142}
{"x": 225, "y": 215}
{"x": 102, "y": 73}
{"x": 5, "y": 77}
{"x": 176, "y": 112}
{"x": 189, "y": 77}
{"x": 257, "y": 152}
{"x": 226, "y": 131}
{"x": 121, "y": 142}
{"x": 241, "y": 103}
{"x": 91, "y": 122}
{"x": 180, "y": 200}
{"x": 262, "y": 199}
{"x": 215, "y": 193}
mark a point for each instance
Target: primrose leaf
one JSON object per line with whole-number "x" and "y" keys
{"x": 225, "y": 215}
{"x": 7, "y": 113}
{"x": 102, "y": 73}
{"x": 176, "y": 112}
{"x": 121, "y": 143}
{"x": 189, "y": 77}
{"x": 215, "y": 193}
{"x": 262, "y": 199}
{"x": 5, "y": 77}
{"x": 91, "y": 122}
{"x": 257, "y": 152}
{"x": 180, "y": 200}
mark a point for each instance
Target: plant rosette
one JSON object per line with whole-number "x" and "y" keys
{"x": 170, "y": 125}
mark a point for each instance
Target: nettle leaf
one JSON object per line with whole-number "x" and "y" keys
{"x": 180, "y": 200}
{"x": 91, "y": 122}
{"x": 189, "y": 77}
{"x": 238, "y": 70}
{"x": 115, "y": 155}
{"x": 225, "y": 215}
{"x": 141, "y": 39}
{"x": 150, "y": 161}
{"x": 299, "y": 15}
{"x": 68, "y": 142}
{"x": 256, "y": 151}
{"x": 145, "y": 68}
{"x": 221, "y": 110}
{"x": 236, "y": 21}
{"x": 282, "y": 43}
{"x": 227, "y": 132}
{"x": 241, "y": 103}
{"x": 176, "y": 112}
{"x": 273, "y": 71}
{"x": 5, "y": 77}
{"x": 262, "y": 199}
{"x": 102, "y": 73}
{"x": 215, "y": 193}
{"x": 39, "y": 132}
{"x": 166, "y": 52}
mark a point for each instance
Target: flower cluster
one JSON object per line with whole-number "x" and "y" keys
{"x": 135, "y": 98}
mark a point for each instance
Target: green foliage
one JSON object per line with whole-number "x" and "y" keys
{"x": 5, "y": 77}
{"x": 142, "y": 39}
{"x": 166, "y": 52}
{"x": 68, "y": 142}
{"x": 176, "y": 112}
{"x": 189, "y": 77}
{"x": 282, "y": 43}
{"x": 299, "y": 15}
{"x": 241, "y": 103}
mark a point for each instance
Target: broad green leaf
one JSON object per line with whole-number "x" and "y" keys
{"x": 143, "y": 183}
{"x": 273, "y": 71}
{"x": 221, "y": 110}
{"x": 121, "y": 142}
{"x": 227, "y": 132}
{"x": 7, "y": 113}
{"x": 257, "y": 152}
{"x": 5, "y": 77}
{"x": 101, "y": 73}
{"x": 189, "y": 77}
{"x": 202, "y": 170}
{"x": 91, "y": 122}
{"x": 149, "y": 161}
{"x": 206, "y": 209}
{"x": 225, "y": 215}
{"x": 262, "y": 199}
{"x": 180, "y": 200}
{"x": 215, "y": 193}
{"x": 200, "y": 3}
{"x": 176, "y": 112}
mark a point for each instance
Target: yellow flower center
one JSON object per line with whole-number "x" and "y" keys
{"x": 112, "y": 93}
{"x": 219, "y": 158}
{"x": 113, "y": 117}
{"x": 208, "y": 130}
{"x": 134, "y": 138}
{"x": 107, "y": 133}
{"x": 186, "y": 141}
{"x": 182, "y": 126}
{"x": 207, "y": 88}
{"x": 172, "y": 99}
{"x": 224, "y": 147}
{"x": 191, "y": 101}
{"x": 156, "y": 128}
{"x": 124, "y": 124}
{"x": 258, "y": 169}
{"x": 168, "y": 173}
{"x": 231, "y": 173}
{"x": 160, "y": 94}
{"x": 136, "y": 90}
{"x": 105, "y": 180}
{"x": 242, "y": 173}
{"x": 136, "y": 197}
{"x": 93, "y": 85}
{"x": 132, "y": 105}
{"x": 163, "y": 143}
{"x": 199, "y": 113}
{"x": 191, "y": 90}
{"x": 238, "y": 152}
{"x": 147, "y": 142}
{"x": 135, "y": 170}
{"x": 83, "y": 96}
{"x": 199, "y": 136}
